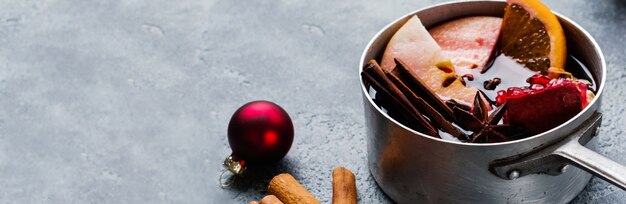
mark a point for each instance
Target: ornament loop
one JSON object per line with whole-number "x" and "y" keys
{"x": 229, "y": 181}
{"x": 234, "y": 165}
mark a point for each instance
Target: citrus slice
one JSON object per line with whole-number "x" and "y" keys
{"x": 533, "y": 36}
{"x": 413, "y": 45}
{"x": 468, "y": 41}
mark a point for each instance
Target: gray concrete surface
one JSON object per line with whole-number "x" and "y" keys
{"x": 128, "y": 101}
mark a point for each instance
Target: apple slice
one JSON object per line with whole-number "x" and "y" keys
{"x": 413, "y": 45}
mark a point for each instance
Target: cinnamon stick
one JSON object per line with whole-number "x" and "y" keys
{"x": 439, "y": 120}
{"x": 417, "y": 86}
{"x": 289, "y": 191}
{"x": 344, "y": 186}
{"x": 451, "y": 103}
{"x": 270, "y": 199}
{"x": 393, "y": 105}
{"x": 395, "y": 109}
{"x": 377, "y": 78}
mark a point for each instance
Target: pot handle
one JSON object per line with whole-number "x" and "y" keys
{"x": 554, "y": 159}
{"x": 593, "y": 162}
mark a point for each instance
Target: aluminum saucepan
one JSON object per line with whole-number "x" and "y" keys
{"x": 551, "y": 167}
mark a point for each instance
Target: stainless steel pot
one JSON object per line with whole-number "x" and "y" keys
{"x": 412, "y": 167}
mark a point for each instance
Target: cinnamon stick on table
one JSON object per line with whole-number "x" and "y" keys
{"x": 289, "y": 191}
{"x": 270, "y": 199}
{"x": 344, "y": 186}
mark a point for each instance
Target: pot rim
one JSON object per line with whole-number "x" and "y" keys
{"x": 596, "y": 99}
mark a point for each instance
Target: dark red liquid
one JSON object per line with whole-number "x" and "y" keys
{"x": 511, "y": 74}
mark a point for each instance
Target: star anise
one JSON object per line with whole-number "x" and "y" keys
{"x": 484, "y": 125}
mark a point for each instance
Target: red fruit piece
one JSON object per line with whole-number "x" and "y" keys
{"x": 539, "y": 79}
{"x": 543, "y": 106}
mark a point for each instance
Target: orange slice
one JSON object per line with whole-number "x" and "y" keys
{"x": 533, "y": 36}
{"x": 413, "y": 45}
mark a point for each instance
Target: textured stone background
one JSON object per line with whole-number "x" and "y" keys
{"x": 128, "y": 101}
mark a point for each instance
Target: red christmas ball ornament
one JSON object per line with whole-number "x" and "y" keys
{"x": 259, "y": 132}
